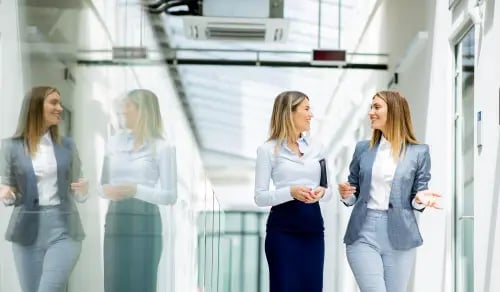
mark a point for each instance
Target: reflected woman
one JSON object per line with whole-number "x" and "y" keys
{"x": 139, "y": 172}
{"x": 41, "y": 178}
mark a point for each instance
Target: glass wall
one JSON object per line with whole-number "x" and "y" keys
{"x": 115, "y": 203}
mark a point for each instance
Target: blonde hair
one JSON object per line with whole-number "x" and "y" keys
{"x": 398, "y": 127}
{"x": 282, "y": 127}
{"x": 31, "y": 119}
{"x": 149, "y": 123}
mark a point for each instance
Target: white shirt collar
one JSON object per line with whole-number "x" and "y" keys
{"x": 46, "y": 139}
{"x": 302, "y": 141}
{"x": 128, "y": 144}
{"x": 384, "y": 144}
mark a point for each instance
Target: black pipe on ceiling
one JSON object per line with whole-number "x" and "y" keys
{"x": 190, "y": 7}
{"x": 219, "y": 62}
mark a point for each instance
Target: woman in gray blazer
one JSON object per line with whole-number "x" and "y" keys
{"x": 41, "y": 177}
{"x": 388, "y": 180}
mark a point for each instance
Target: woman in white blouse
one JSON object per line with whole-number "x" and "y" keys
{"x": 388, "y": 180}
{"x": 294, "y": 245}
{"x": 139, "y": 172}
{"x": 41, "y": 178}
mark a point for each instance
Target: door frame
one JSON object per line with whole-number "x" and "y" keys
{"x": 463, "y": 24}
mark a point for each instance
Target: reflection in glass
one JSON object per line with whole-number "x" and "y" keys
{"x": 139, "y": 172}
{"x": 41, "y": 178}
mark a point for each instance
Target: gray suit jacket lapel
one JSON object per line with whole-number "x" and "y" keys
{"x": 397, "y": 179}
{"x": 367, "y": 166}
{"x": 31, "y": 181}
{"x": 62, "y": 159}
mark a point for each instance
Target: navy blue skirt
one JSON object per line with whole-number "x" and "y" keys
{"x": 295, "y": 261}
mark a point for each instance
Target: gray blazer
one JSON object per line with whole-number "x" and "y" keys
{"x": 16, "y": 170}
{"x": 412, "y": 175}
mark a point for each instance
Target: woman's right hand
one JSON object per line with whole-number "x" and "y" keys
{"x": 81, "y": 186}
{"x": 346, "y": 190}
{"x": 119, "y": 192}
{"x": 303, "y": 194}
{"x": 6, "y": 192}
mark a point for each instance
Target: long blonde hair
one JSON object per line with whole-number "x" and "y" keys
{"x": 31, "y": 119}
{"x": 282, "y": 127}
{"x": 149, "y": 122}
{"x": 398, "y": 127}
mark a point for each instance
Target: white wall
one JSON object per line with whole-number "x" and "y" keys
{"x": 11, "y": 75}
{"x": 487, "y": 168}
{"x": 12, "y": 92}
{"x": 434, "y": 261}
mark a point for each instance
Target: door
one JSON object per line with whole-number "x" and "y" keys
{"x": 464, "y": 163}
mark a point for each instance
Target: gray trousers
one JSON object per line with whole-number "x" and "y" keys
{"x": 378, "y": 267}
{"x": 46, "y": 265}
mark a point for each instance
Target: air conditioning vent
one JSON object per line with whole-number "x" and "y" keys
{"x": 236, "y": 29}
{"x": 257, "y": 32}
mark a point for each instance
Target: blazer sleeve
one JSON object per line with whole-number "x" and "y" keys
{"x": 353, "y": 177}
{"x": 76, "y": 163}
{"x": 422, "y": 174}
{"x": 7, "y": 177}
{"x": 76, "y": 169}
{"x": 6, "y": 171}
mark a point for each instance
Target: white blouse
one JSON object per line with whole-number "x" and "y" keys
{"x": 383, "y": 171}
{"x": 152, "y": 168}
{"x": 45, "y": 167}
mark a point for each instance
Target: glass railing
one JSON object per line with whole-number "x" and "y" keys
{"x": 210, "y": 238}
{"x": 235, "y": 241}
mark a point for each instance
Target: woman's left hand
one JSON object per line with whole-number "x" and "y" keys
{"x": 428, "y": 198}
{"x": 81, "y": 186}
{"x": 317, "y": 194}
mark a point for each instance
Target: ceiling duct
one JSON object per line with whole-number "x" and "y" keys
{"x": 243, "y": 8}
{"x": 66, "y": 4}
{"x": 239, "y": 20}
